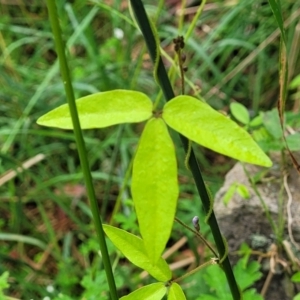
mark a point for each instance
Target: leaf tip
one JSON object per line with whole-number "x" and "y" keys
{"x": 265, "y": 162}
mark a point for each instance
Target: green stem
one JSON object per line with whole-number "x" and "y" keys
{"x": 262, "y": 202}
{"x": 194, "y": 21}
{"x": 60, "y": 48}
{"x": 164, "y": 82}
{"x": 213, "y": 261}
{"x": 198, "y": 235}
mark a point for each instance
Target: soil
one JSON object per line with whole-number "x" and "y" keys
{"x": 244, "y": 220}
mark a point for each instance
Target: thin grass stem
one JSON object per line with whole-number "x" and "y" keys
{"x": 60, "y": 48}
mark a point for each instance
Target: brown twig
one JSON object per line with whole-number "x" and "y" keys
{"x": 26, "y": 165}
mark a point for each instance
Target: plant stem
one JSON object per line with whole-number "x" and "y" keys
{"x": 208, "y": 263}
{"x": 60, "y": 48}
{"x": 262, "y": 202}
{"x": 198, "y": 235}
{"x": 143, "y": 22}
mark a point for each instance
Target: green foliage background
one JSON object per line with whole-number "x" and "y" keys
{"x": 45, "y": 221}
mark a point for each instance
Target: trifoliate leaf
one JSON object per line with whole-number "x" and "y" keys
{"x": 202, "y": 124}
{"x": 101, "y": 110}
{"x": 154, "y": 291}
{"x": 134, "y": 250}
{"x": 155, "y": 187}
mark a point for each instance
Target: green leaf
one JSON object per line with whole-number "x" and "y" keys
{"x": 216, "y": 280}
{"x": 271, "y": 122}
{"x": 296, "y": 277}
{"x": 240, "y": 112}
{"x": 175, "y": 292}
{"x": 134, "y": 250}
{"x": 261, "y": 134}
{"x": 245, "y": 251}
{"x": 101, "y": 110}
{"x": 154, "y": 291}
{"x": 243, "y": 191}
{"x": 252, "y": 294}
{"x": 210, "y": 297}
{"x": 247, "y": 275}
{"x": 202, "y": 124}
{"x": 257, "y": 121}
{"x": 155, "y": 187}
{"x": 295, "y": 83}
{"x": 277, "y": 11}
{"x": 293, "y": 141}
{"x": 297, "y": 297}
{"x": 229, "y": 194}
{"x": 4, "y": 281}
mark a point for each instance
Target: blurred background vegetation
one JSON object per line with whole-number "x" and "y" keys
{"x": 46, "y": 233}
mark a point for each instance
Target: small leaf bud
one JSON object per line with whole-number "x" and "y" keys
{"x": 196, "y": 223}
